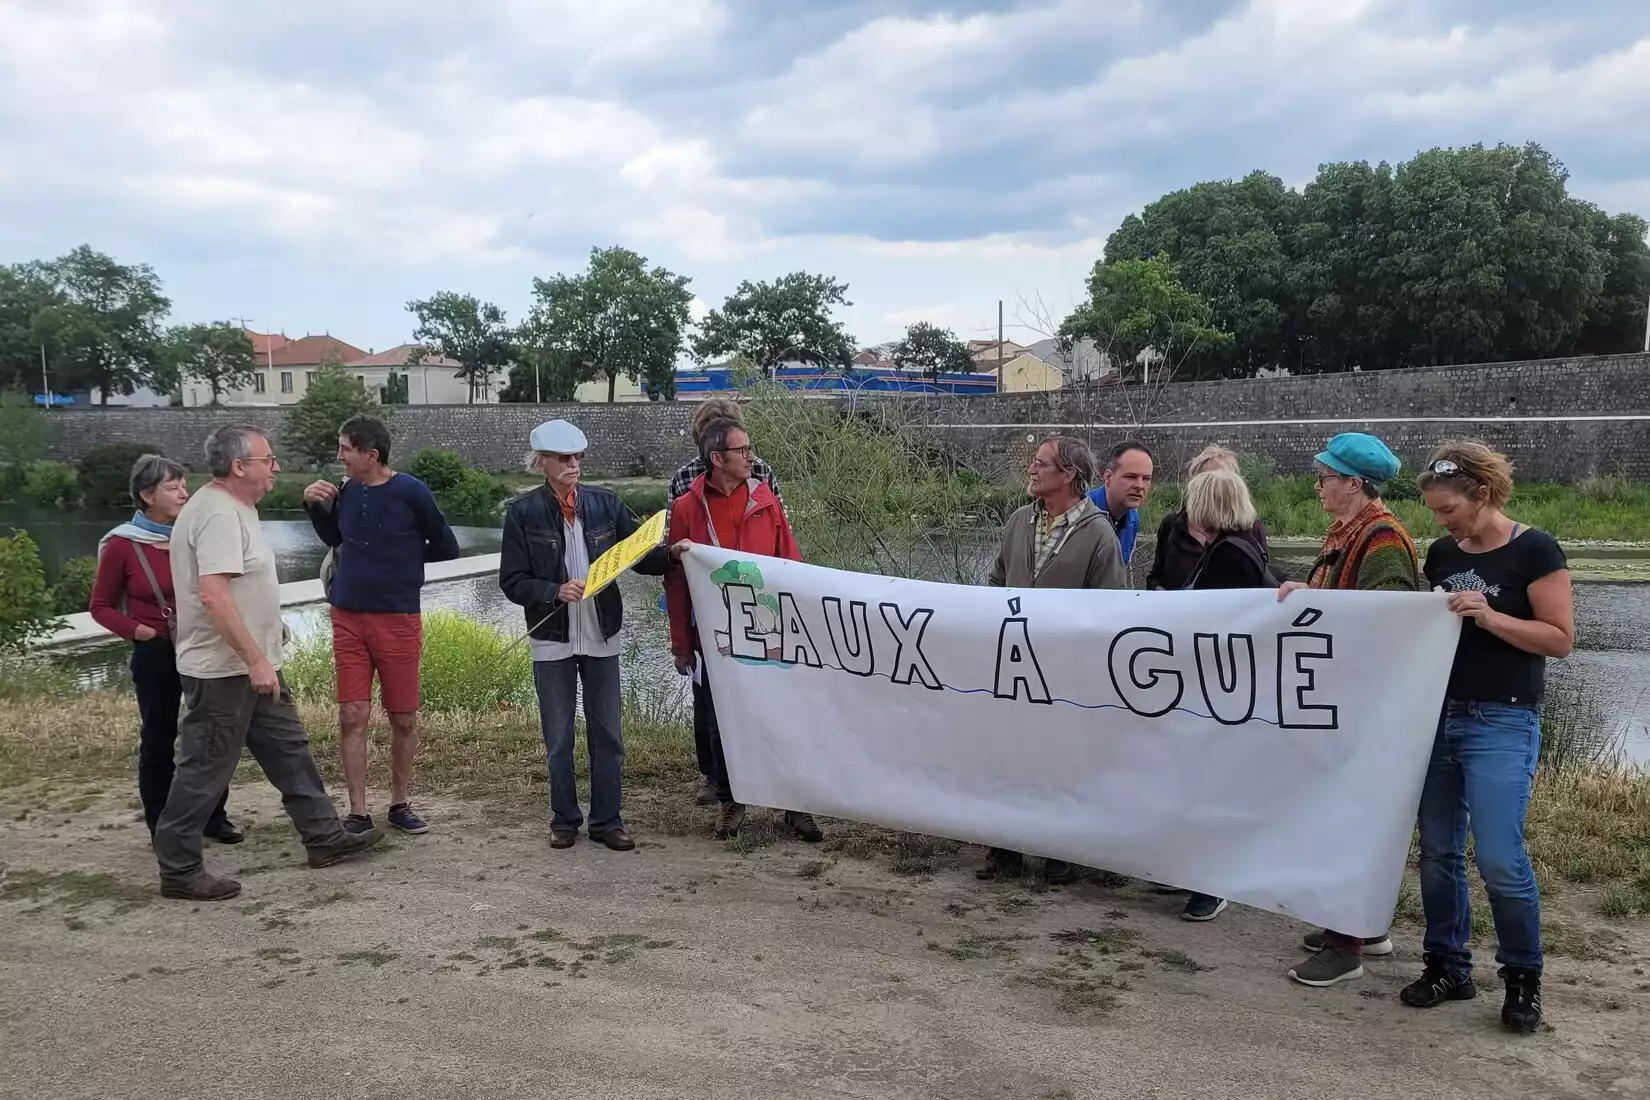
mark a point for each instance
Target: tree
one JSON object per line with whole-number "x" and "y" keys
{"x": 395, "y": 389}
{"x": 772, "y": 323}
{"x": 103, "y": 322}
{"x": 932, "y": 350}
{"x": 25, "y": 599}
{"x": 25, "y": 433}
{"x": 542, "y": 373}
{"x": 219, "y": 354}
{"x": 24, "y": 298}
{"x": 334, "y": 395}
{"x": 468, "y": 331}
{"x": 617, "y": 317}
{"x": 1456, "y": 255}
{"x": 1140, "y": 308}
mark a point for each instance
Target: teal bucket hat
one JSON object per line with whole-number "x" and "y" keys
{"x": 1355, "y": 454}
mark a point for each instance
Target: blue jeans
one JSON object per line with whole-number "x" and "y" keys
{"x": 1483, "y": 764}
{"x": 557, "y": 685}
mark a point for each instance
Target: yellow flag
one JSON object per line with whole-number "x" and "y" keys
{"x": 618, "y": 558}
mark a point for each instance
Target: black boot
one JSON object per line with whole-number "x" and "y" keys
{"x": 1521, "y": 1011}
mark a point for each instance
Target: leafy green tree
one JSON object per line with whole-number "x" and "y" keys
{"x": 24, "y": 298}
{"x": 334, "y": 395}
{"x": 25, "y": 600}
{"x": 25, "y": 433}
{"x": 72, "y": 592}
{"x": 617, "y": 317}
{"x": 219, "y": 354}
{"x": 1137, "y": 307}
{"x": 543, "y": 373}
{"x": 1616, "y": 323}
{"x": 786, "y": 320}
{"x": 105, "y": 472}
{"x": 102, "y": 323}
{"x": 466, "y": 330}
{"x": 932, "y": 350}
{"x": 395, "y": 389}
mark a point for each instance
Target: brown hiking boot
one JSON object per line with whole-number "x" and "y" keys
{"x": 201, "y": 887}
{"x": 347, "y": 845}
{"x": 706, "y": 795}
{"x": 733, "y": 816}
{"x": 805, "y": 827}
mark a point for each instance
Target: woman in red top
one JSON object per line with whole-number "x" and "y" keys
{"x": 132, "y": 597}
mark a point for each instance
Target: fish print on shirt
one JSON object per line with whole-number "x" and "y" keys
{"x": 1470, "y": 581}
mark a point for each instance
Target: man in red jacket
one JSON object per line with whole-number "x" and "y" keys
{"x": 729, "y": 508}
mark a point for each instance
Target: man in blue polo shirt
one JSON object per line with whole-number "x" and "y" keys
{"x": 383, "y": 526}
{"x": 1123, "y": 488}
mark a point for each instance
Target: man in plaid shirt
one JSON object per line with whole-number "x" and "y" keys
{"x": 715, "y": 409}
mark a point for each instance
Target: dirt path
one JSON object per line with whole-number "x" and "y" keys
{"x": 476, "y": 963}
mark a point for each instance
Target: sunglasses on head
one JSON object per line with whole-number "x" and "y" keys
{"x": 1447, "y": 468}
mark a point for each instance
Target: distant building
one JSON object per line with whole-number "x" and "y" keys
{"x": 719, "y": 381}
{"x": 435, "y": 381}
{"x": 595, "y": 390}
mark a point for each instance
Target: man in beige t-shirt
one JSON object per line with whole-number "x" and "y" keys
{"x": 229, "y": 658}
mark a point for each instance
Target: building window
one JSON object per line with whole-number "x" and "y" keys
{"x": 309, "y": 380}
{"x": 286, "y": 381}
{"x": 258, "y": 382}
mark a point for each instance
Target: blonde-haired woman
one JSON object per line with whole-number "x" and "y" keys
{"x": 1510, "y": 585}
{"x": 1220, "y": 516}
{"x": 1178, "y": 550}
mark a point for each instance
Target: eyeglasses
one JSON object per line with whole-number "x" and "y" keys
{"x": 745, "y": 450}
{"x": 1332, "y": 477}
{"x": 260, "y": 458}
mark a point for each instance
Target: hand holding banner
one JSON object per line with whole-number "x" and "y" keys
{"x": 617, "y": 559}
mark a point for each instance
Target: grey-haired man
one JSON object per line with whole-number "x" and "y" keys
{"x": 229, "y": 658}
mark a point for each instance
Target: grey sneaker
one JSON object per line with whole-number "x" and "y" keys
{"x": 1374, "y": 946}
{"x": 1327, "y": 967}
{"x": 347, "y": 845}
{"x": 201, "y": 887}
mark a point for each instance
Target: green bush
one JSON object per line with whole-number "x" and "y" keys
{"x": 53, "y": 484}
{"x": 106, "y": 473}
{"x": 287, "y": 496}
{"x": 25, "y": 601}
{"x": 643, "y": 500}
{"x": 468, "y": 667}
{"x": 310, "y": 435}
{"x": 73, "y": 591}
{"x": 439, "y": 469}
{"x": 24, "y": 433}
{"x": 476, "y": 494}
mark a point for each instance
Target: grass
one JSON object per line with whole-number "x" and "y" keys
{"x": 75, "y": 890}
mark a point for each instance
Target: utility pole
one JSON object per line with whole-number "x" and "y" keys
{"x": 999, "y": 345}
{"x": 1647, "y": 325}
{"x": 45, "y": 381}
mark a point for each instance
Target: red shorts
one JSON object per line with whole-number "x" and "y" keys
{"x": 364, "y": 641}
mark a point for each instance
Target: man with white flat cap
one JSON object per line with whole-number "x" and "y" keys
{"x": 551, "y": 535}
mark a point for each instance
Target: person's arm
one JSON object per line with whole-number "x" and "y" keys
{"x": 107, "y": 587}
{"x": 440, "y": 543}
{"x": 1388, "y": 564}
{"x": 321, "y": 506}
{"x": 515, "y": 567}
{"x": 1229, "y": 567}
{"x": 1106, "y": 568}
{"x": 998, "y": 577}
{"x": 678, "y": 602}
{"x": 1160, "y": 552}
{"x": 220, "y": 558}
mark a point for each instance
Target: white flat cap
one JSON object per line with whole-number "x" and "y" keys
{"x": 558, "y": 437}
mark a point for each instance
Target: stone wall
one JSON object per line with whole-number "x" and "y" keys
{"x": 1559, "y": 420}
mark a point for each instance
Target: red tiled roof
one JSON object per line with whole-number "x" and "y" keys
{"x": 311, "y": 350}
{"x": 264, "y": 342}
{"x": 397, "y": 357}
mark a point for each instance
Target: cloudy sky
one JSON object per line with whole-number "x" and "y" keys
{"x": 313, "y": 165}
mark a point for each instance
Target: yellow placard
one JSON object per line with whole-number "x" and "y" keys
{"x": 618, "y": 558}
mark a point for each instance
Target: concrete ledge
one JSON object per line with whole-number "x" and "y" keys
{"x": 82, "y": 633}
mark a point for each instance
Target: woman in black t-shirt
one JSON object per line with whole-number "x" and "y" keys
{"x": 1178, "y": 552}
{"x": 1511, "y": 587}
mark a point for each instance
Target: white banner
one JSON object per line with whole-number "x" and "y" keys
{"x": 1271, "y": 753}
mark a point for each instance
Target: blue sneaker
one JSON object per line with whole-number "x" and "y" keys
{"x": 356, "y": 824}
{"x": 402, "y": 817}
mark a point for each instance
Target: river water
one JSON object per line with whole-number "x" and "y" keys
{"x": 1610, "y": 668}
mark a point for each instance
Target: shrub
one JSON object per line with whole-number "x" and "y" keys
{"x": 73, "y": 591}
{"x": 25, "y": 601}
{"x": 643, "y": 500}
{"x": 23, "y": 676}
{"x": 53, "y": 484}
{"x": 439, "y": 469}
{"x": 311, "y": 432}
{"x": 24, "y": 433}
{"x": 106, "y": 473}
{"x": 468, "y": 667}
{"x": 475, "y": 494}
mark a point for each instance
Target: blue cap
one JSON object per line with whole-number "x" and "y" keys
{"x": 1358, "y": 455}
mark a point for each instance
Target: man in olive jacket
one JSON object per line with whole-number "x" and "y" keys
{"x": 1061, "y": 539}
{"x": 551, "y": 537}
